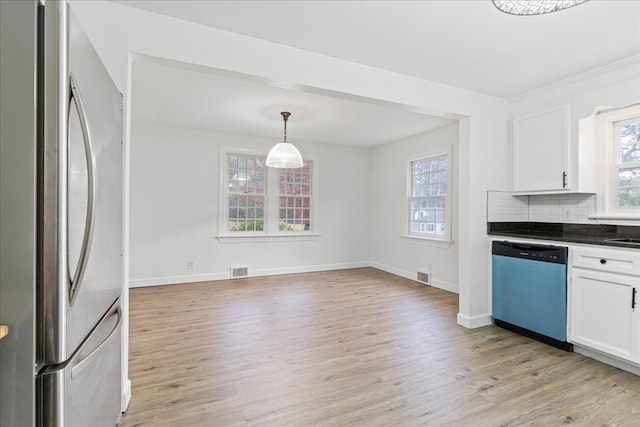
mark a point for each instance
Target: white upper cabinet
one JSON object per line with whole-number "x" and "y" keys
{"x": 545, "y": 157}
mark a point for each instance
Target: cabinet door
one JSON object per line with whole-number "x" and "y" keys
{"x": 601, "y": 313}
{"x": 541, "y": 151}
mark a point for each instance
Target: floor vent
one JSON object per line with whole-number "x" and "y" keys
{"x": 424, "y": 278}
{"x": 239, "y": 272}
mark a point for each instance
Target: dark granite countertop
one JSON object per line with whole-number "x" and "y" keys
{"x": 594, "y": 234}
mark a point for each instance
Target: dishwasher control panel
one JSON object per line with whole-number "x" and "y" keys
{"x": 545, "y": 253}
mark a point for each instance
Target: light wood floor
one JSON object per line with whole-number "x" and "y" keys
{"x": 350, "y": 348}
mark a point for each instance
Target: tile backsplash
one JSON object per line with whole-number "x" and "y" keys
{"x": 570, "y": 208}
{"x": 563, "y": 208}
{"x": 503, "y": 207}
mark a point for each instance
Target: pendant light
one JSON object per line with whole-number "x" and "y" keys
{"x": 534, "y": 7}
{"x": 284, "y": 154}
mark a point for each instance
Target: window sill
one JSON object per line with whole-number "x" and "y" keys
{"x": 428, "y": 241}
{"x": 257, "y": 238}
{"x": 616, "y": 217}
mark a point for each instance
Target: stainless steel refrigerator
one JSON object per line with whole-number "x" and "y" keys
{"x": 65, "y": 201}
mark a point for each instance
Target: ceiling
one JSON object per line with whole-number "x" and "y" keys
{"x": 181, "y": 95}
{"x": 468, "y": 44}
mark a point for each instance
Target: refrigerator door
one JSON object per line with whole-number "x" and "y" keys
{"x": 81, "y": 188}
{"x": 86, "y": 390}
{"x": 94, "y": 189}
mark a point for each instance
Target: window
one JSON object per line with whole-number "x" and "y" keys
{"x": 259, "y": 201}
{"x": 618, "y": 136}
{"x": 245, "y": 194}
{"x": 294, "y": 191}
{"x": 626, "y": 163}
{"x": 429, "y": 203}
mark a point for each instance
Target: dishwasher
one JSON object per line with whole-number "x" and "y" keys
{"x": 529, "y": 290}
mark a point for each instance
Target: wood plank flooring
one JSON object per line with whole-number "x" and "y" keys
{"x": 353, "y": 347}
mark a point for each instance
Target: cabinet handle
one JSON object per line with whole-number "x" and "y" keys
{"x": 564, "y": 180}
{"x": 633, "y": 298}
{"x": 603, "y": 261}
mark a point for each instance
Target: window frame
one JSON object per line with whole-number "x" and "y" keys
{"x": 608, "y": 163}
{"x": 444, "y": 151}
{"x": 271, "y": 231}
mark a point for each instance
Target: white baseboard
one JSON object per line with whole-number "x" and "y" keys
{"x": 609, "y": 360}
{"x": 474, "y": 321}
{"x": 126, "y": 396}
{"x": 307, "y": 269}
{"x": 171, "y": 280}
{"x": 440, "y": 284}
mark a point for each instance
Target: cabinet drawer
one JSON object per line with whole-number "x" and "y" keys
{"x": 605, "y": 259}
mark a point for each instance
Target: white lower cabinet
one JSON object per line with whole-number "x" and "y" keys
{"x": 604, "y": 313}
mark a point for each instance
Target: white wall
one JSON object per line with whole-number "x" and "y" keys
{"x": 118, "y": 31}
{"x": 174, "y": 209}
{"x": 389, "y": 250}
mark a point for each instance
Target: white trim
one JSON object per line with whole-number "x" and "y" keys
{"x": 126, "y": 396}
{"x": 174, "y": 280}
{"x": 440, "y": 284}
{"x": 125, "y": 382}
{"x": 608, "y": 359}
{"x": 616, "y": 217}
{"x": 475, "y": 321}
{"x": 309, "y": 268}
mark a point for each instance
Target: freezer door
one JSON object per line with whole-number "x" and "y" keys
{"x": 86, "y": 390}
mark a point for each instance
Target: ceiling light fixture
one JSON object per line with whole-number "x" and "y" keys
{"x": 284, "y": 154}
{"x": 534, "y": 7}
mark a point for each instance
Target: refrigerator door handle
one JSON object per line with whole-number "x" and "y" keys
{"x": 81, "y": 364}
{"x": 78, "y": 275}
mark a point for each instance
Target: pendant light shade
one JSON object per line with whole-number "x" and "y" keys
{"x": 284, "y": 154}
{"x": 534, "y": 7}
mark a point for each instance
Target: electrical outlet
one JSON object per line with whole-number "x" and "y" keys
{"x": 567, "y": 214}
{"x": 191, "y": 264}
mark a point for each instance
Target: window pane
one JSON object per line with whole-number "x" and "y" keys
{"x": 629, "y": 197}
{"x": 629, "y": 187}
{"x": 628, "y": 176}
{"x": 245, "y": 174}
{"x": 630, "y": 142}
